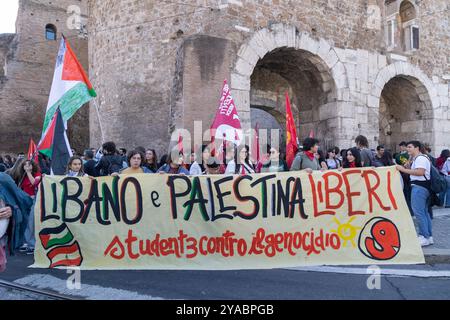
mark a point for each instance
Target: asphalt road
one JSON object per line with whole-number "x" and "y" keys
{"x": 411, "y": 282}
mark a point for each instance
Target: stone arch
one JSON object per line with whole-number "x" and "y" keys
{"x": 405, "y": 3}
{"x": 407, "y": 11}
{"x": 412, "y": 100}
{"x": 402, "y": 69}
{"x": 268, "y": 118}
{"x": 285, "y": 40}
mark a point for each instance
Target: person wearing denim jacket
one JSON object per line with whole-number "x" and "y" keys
{"x": 20, "y": 203}
{"x": 174, "y": 165}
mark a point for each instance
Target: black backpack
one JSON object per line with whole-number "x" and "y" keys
{"x": 114, "y": 165}
{"x": 437, "y": 180}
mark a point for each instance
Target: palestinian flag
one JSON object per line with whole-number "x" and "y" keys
{"x": 56, "y": 236}
{"x": 71, "y": 88}
{"x": 55, "y": 145}
{"x": 65, "y": 256}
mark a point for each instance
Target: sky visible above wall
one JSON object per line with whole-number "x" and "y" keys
{"x": 8, "y": 15}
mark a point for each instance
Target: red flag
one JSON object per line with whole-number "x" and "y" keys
{"x": 291, "y": 134}
{"x": 32, "y": 151}
{"x": 226, "y": 124}
{"x": 311, "y": 133}
{"x": 46, "y": 143}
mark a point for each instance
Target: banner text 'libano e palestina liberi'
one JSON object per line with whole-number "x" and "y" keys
{"x": 354, "y": 216}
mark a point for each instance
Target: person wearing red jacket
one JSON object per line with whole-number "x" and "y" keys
{"x": 30, "y": 177}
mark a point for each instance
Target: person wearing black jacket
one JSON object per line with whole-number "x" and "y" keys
{"x": 110, "y": 162}
{"x": 89, "y": 164}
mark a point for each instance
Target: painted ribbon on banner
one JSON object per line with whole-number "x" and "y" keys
{"x": 357, "y": 216}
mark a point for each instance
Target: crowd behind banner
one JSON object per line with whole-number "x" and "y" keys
{"x": 423, "y": 176}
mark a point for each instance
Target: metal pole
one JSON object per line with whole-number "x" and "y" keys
{"x": 99, "y": 120}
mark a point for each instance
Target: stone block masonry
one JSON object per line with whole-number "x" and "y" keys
{"x": 159, "y": 65}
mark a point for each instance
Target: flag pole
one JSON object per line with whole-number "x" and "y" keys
{"x": 99, "y": 120}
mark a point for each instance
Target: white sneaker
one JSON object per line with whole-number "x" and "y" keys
{"x": 430, "y": 240}
{"x": 423, "y": 241}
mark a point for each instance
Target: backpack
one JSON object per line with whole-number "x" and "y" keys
{"x": 438, "y": 184}
{"x": 114, "y": 164}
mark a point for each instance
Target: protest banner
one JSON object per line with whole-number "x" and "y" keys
{"x": 355, "y": 216}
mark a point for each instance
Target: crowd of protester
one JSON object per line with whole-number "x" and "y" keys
{"x": 20, "y": 177}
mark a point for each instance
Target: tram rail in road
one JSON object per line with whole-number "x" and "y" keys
{"x": 30, "y": 290}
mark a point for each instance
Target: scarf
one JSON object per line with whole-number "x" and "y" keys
{"x": 440, "y": 163}
{"x": 74, "y": 174}
{"x": 310, "y": 155}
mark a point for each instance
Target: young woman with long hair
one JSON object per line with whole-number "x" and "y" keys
{"x": 75, "y": 167}
{"x": 353, "y": 158}
{"x": 151, "y": 160}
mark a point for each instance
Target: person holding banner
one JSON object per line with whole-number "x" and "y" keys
{"x": 420, "y": 175}
{"x": 174, "y": 165}
{"x": 243, "y": 166}
{"x": 151, "y": 160}
{"x": 135, "y": 164}
{"x": 321, "y": 158}
{"x": 75, "y": 167}
{"x": 275, "y": 163}
{"x": 201, "y": 159}
{"x": 332, "y": 160}
{"x": 212, "y": 166}
{"x": 353, "y": 159}
{"x": 307, "y": 160}
{"x": 228, "y": 155}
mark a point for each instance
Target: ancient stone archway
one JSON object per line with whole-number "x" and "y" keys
{"x": 271, "y": 125}
{"x": 308, "y": 69}
{"x": 406, "y": 99}
{"x": 307, "y": 80}
{"x": 405, "y": 112}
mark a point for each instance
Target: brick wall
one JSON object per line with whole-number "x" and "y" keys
{"x": 151, "y": 78}
{"x": 25, "y": 88}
